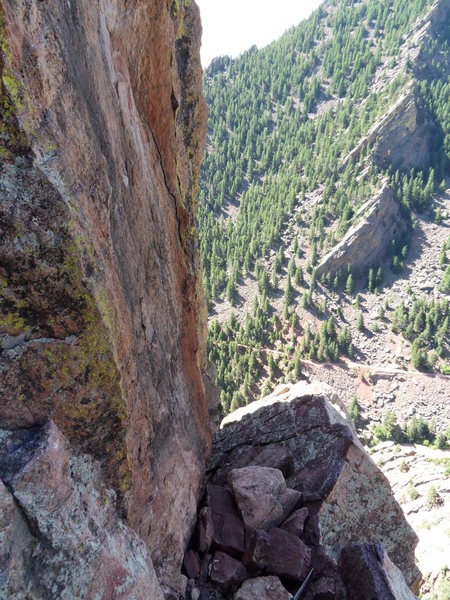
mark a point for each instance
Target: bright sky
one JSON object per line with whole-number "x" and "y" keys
{"x": 232, "y": 26}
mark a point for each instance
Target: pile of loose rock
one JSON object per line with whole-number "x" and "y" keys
{"x": 251, "y": 531}
{"x": 259, "y": 538}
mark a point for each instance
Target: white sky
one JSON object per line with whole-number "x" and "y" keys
{"x": 232, "y": 26}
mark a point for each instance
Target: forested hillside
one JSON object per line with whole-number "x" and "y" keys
{"x": 302, "y": 134}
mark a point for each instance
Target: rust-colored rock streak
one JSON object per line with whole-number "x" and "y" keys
{"x": 111, "y": 104}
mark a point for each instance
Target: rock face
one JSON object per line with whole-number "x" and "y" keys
{"x": 101, "y": 318}
{"x": 405, "y": 140}
{"x": 60, "y": 533}
{"x": 402, "y": 139}
{"x": 348, "y": 498}
{"x": 365, "y": 244}
{"x": 369, "y": 573}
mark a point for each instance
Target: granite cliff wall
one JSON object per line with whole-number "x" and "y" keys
{"x": 101, "y": 319}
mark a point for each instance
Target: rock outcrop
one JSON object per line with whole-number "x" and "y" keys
{"x": 60, "y": 533}
{"x": 338, "y": 528}
{"x": 366, "y": 243}
{"x": 102, "y": 320}
{"x": 402, "y": 139}
{"x": 369, "y": 573}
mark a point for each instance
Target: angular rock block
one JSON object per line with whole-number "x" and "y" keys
{"x": 289, "y": 557}
{"x": 76, "y": 540}
{"x": 262, "y": 496}
{"x": 227, "y": 572}
{"x": 228, "y": 531}
{"x": 296, "y": 522}
{"x": 262, "y": 588}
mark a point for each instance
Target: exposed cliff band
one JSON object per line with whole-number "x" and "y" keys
{"x": 101, "y": 313}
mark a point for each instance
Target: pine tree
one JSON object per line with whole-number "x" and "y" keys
{"x": 370, "y": 281}
{"x": 288, "y": 291}
{"x": 360, "y": 322}
{"x": 349, "y": 286}
{"x": 298, "y": 279}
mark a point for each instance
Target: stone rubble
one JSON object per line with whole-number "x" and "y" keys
{"x": 318, "y": 514}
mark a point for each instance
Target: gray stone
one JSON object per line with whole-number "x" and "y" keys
{"x": 59, "y": 528}
{"x": 262, "y": 496}
{"x": 262, "y": 588}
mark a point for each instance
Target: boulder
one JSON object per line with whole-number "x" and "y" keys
{"x": 228, "y": 531}
{"x": 262, "y": 496}
{"x": 369, "y": 574}
{"x": 296, "y": 522}
{"x": 289, "y": 557}
{"x": 262, "y": 588}
{"x": 352, "y": 499}
{"x": 227, "y": 572}
{"x": 58, "y": 523}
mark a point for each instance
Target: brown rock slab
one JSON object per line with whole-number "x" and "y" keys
{"x": 262, "y": 496}
{"x": 228, "y": 534}
{"x": 220, "y": 500}
{"x": 227, "y": 572}
{"x": 289, "y": 557}
{"x": 369, "y": 574}
{"x": 228, "y": 531}
{"x": 257, "y": 546}
{"x": 262, "y": 588}
{"x": 296, "y": 522}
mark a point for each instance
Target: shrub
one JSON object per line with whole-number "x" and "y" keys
{"x": 354, "y": 412}
{"x": 432, "y": 499}
{"x": 404, "y": 467}
{"x": 413, "y": 493}
{"x": 441, "y": 441}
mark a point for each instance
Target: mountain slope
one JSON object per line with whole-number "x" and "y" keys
{"x": 302, "y": 135}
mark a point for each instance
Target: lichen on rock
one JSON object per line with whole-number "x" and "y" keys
{"x": 102, "y": 314}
